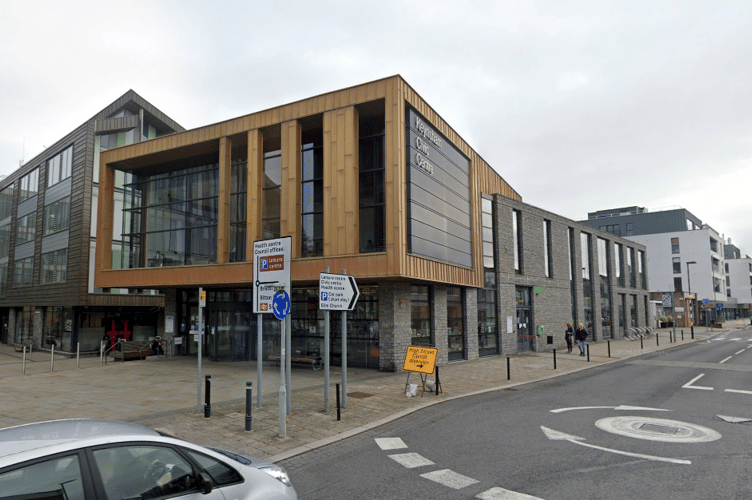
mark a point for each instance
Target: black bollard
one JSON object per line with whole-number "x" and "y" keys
{"x": 437, "y": 381}
{"x": 588, "y": 352}
{"x": 692, "y": 328}
{"x": 554, "y": 359}
{"x": 207, "y": 398}
{"x": 641, "y": 345}
{"x": 338, "y": 414}
{"x": 248, "y": 405}
{"x": 682, "y": 335}
{"x": 608, "y": 342}
{"x": 509, "y": 371}
{"x": 657, "y": 342}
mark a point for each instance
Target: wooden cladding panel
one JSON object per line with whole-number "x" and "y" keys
{"x": 254, "y": 208}
{"x": 341, "y": 182}
{"x": 289, "y": 223}
{"x": 394, "y": 181}
{"x": 223, "y": 208}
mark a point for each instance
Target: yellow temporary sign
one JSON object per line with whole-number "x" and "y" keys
{"x": 420, "y": 359}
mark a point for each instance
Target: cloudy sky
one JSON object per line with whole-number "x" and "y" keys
{"x": 579, "y": 105}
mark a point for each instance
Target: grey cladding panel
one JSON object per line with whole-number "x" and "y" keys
{"x": 24, "y": 251}
{"x": 57, "y": 192}
{"x": 26, "y": 207}
{"x": 55, "y": 242}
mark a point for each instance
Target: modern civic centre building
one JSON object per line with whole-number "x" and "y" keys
{"x": 372, "y": 181}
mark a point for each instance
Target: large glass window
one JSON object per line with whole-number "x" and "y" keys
{"x": 631, "y": 270}
{"x": 517, "y": 241}
{"x": 58, "y": 327}
{"x": 29, "y": 185}
{"x": 678, "y": 284}
{"x": 605, "y": 308}
{"x": 587, "y": 283}
{"x": 23, "y": 272}
{"x": 238, "y": 197}
{"x": 455, "y": 323}
{"x": 547, "y": 255}
{"x": 170, "y": 219}
{"x": 312, "y": 193}
{"x": 55, "y": 266}
{"x": 618, "y": 259}
{"x": 3, "y": 279}
{"x": 603, "y": 257}
{"x": 272, "y": 194}
{"x": 641, "y": 269}
{"x": 4, "y": 240}
{"x": 420, "y": 319}
{"x": 57, "y": 216}
{"x": 675, "y": 245}
{"x": 371, "y": 184}
{"x": 6, "y": 202}
{"x": 59, "y": 167}
{"x": 487, "y": 330}
{"x": 26, "y": 228}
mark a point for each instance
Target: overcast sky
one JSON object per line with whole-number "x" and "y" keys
{"x": 580, "y": 106}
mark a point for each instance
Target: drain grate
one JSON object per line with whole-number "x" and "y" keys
{"x": 359, "y": 395}
{"x": 663, "y": 429}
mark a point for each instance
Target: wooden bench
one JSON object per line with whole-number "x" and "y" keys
{"x": 306, "y": 361}
{"x": 132, "y": 350}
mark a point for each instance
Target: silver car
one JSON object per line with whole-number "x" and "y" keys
{"x": 100, "y": 460}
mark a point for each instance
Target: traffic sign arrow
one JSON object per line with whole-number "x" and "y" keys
{"x": 337, "y": 292}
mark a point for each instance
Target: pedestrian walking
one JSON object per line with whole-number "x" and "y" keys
{"x": 568, "y": 334}
{"x": 580, "y": 336}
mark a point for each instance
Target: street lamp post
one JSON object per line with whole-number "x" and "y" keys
{"x": 694, "y": 302}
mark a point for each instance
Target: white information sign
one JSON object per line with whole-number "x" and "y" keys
{"x": 271, "y": 265}
{"x": 337, "y": 292}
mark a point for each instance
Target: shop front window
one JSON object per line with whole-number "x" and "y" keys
{"x": 455, "y": 323}
{"x": 420, "y": 318}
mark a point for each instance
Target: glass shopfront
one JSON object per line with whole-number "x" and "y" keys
{"x": 455, "y": 323}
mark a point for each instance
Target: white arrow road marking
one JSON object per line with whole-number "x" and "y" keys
{"x": 689, "y": 385}
{"x": 390, "y": 443}
{"x": 411, "y": 460}
{"x": 561, "y": 436}
{"x": 737, "y": 391}
{"x": 502, "y": 494}
{"x": 449, "y": 478}
{"x": 726, "y": 359}
{"x": 620, "y": 407}
{"x": 734, "y": 420}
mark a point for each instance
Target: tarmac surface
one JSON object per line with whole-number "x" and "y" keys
{"x": 162, "y": 392}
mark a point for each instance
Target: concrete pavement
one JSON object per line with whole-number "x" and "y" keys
{"x": 162, "y": 393}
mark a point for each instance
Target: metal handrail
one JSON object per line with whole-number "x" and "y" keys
{"x": 106, "y": 351}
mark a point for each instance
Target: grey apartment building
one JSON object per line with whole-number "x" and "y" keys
{"x": 47, "y": 239}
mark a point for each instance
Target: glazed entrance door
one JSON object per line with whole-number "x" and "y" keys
{"x": 525, "y": 335}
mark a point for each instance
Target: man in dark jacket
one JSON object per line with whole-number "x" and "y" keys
{"x": 580, "y": 336}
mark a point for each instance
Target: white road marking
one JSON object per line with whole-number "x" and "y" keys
{"x": 620, "y": 407}
{"x": 734, "y": 420}
{"x": 560, "y": 436}
{"x": 411, "y": 460}
{"x": 390, "y": 443}
{"x": 502, "y": 494}
{"x": 726, "y": 359}
{"x": 689, "y": 385}
{"x": 737, "y": 391}
{"x": 449, "y": 478}
{"x": 739, "y": 352}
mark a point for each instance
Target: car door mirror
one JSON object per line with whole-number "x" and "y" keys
{"x": 204, "y": 483}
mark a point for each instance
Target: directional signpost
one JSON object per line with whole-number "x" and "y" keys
{"x": 271, "y": 266}
{"x": 337, "y": 292}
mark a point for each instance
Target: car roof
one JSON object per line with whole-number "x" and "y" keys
{"x": 28, "y": 437}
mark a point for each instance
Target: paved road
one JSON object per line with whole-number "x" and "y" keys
{"x": 644, "y": 427}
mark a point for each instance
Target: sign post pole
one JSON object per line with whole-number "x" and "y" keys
{"x": 259, "y": 357}
{"x": 201, "y": 304}
{"x": 343, "y": 328}
{"x": 326, "y": 355}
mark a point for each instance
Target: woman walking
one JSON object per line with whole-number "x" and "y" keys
{"x": 568, "y": 334}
